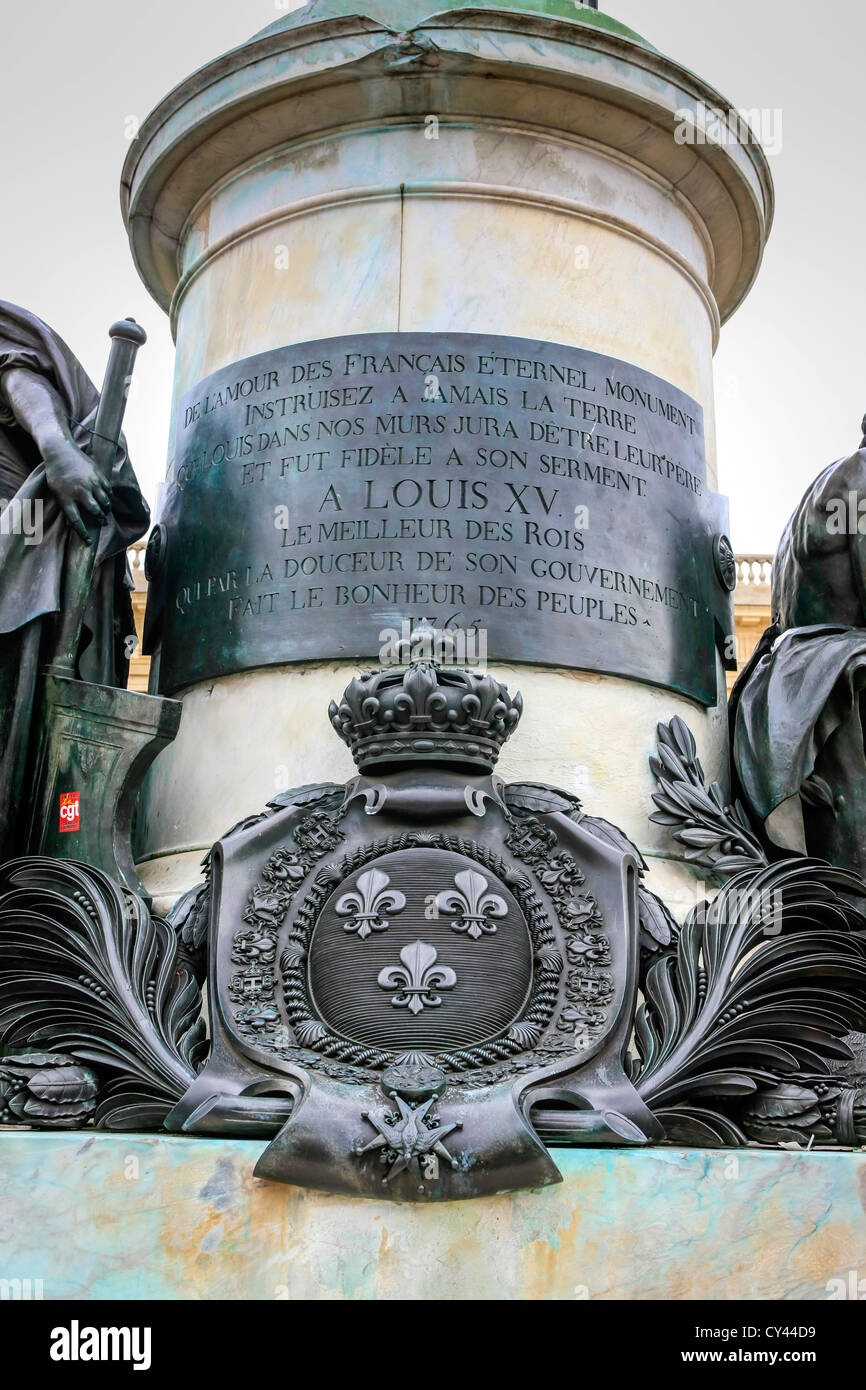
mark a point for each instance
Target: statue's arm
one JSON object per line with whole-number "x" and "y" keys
{"x": 71, "y": 475}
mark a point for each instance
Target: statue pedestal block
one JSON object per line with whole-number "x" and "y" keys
{"x": 100, "y": 1216}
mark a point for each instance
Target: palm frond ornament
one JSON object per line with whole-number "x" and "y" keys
{"x": 88, "y": 972}
{"x": 764, "y": 983}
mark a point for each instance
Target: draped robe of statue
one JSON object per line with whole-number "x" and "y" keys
{"x": 797, "y": 710}
{"x": 31, "y": 575}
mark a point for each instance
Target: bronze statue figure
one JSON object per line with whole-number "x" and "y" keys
{"x": 47, "y": 412}
{"x": 797, "y": 710}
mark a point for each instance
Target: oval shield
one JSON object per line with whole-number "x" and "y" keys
{"x": 423, "y": 948}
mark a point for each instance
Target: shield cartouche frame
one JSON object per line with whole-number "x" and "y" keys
{"x": 405, "y": 967}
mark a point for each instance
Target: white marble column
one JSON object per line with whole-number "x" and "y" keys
{"x": 496, "y": 171}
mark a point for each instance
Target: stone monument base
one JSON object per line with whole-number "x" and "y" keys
{"x": 100, "y": 1216}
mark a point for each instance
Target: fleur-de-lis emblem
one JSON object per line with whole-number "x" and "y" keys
{"x": 474, "y": 904}
{"x": 368, "y": 900}
{"x": 417, "y": 978}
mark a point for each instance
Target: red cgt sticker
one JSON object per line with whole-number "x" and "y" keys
{"x": 70, "y": 804}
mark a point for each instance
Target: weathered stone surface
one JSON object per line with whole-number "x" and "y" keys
{"x": 123, "y": 1216}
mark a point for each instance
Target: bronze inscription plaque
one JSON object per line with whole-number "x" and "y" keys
{"x": 550, "y": 502}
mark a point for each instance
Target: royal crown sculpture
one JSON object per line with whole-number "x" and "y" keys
{"x": 426, "y": 712}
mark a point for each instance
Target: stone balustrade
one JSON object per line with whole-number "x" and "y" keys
{"x": 754, "y": 571}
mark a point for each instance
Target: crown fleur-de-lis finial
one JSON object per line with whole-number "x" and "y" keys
{"x": 425, "y": 712}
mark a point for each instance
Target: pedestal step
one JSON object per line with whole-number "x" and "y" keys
{"x": 93, "y": 1216}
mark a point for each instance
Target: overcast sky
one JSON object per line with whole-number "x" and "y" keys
{"x": 791, "y": 369}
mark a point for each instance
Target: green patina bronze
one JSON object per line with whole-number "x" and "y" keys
{"x": 404, "y": 15}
